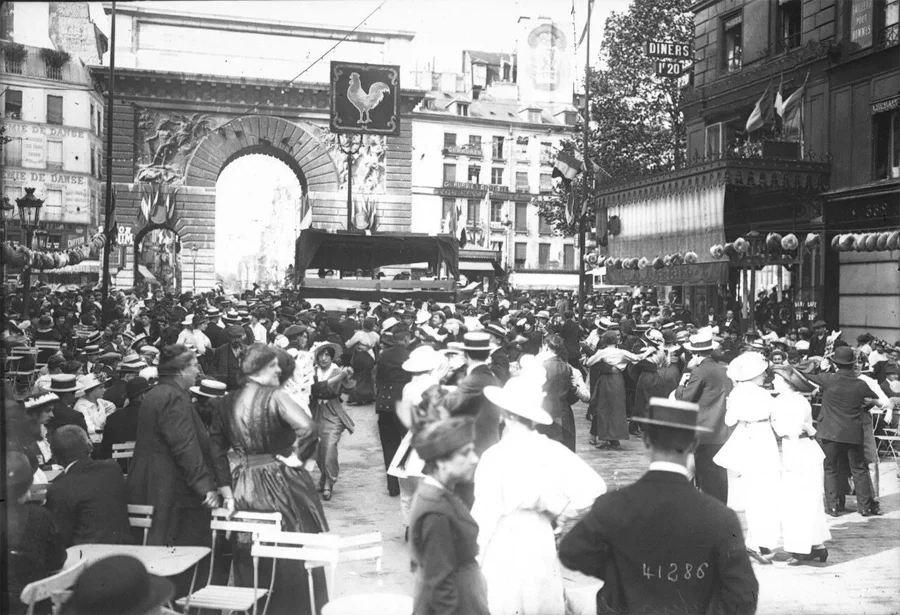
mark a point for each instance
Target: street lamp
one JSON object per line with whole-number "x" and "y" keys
{"x": 194, "y": 260}
{"x": 30, "y": 215}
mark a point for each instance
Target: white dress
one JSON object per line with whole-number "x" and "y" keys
{"x": 802, "y": 475}
{"x": 752, "y": 452}
{"x": 523, "y": 484}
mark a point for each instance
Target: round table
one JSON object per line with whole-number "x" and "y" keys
{"x": 161, "y": 561}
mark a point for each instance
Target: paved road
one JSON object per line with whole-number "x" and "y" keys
{"x": 862, "y": 574}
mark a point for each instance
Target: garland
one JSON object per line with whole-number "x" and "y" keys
{"x": 594, "y": 259}
{"x": 21, "y": 257}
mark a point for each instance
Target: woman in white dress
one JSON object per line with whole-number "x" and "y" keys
{"x": 752, "y": 452}
{"x": 529, "y": 491}
{"x": 803, "y": 518}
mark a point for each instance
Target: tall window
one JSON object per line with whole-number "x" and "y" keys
{"x": 474, "y": 174}
{"x": 543, "y": 254}
{"x": 448, "y": 207}
{"x": 93, "y": 119}
{"x": 889, "y": 31}
{"x": 544, "y": 226}
{"x": 497, "y": 211}
{"x": 789, "y": 24}
{"x": 54, "y": 109}
{"x": 522, "y": 181}
{"x": 12, "y": 152}
{"x": 99, "y": 123}
{"x": 521, "y": 249}
{"x": 475, "y": 141}
{"x": 546, "y": 153}
{"x": 52, "y": 209}
{"x": 713, "y": 140}
{"x": 569, "y": 256}
{"x": 732, "y": 31}
{"x": 521, "y": 148}
{"x": 546, "y": 182}
{"x": 473, "y": 212}
{"x": 462, "y": 109}
{"x": 497, "y": 176}
{"x": 12, "y": 105}
{"x": 521, "y": 217}
{"x": 887, "y": 144}
{"x": 449, "y": 139}
{"x": 54, "y": 155}
{"x": 497, "y": 147}
{"x": 450, "y": 172}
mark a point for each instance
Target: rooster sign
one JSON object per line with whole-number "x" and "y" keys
{"x": 365, "y": 98}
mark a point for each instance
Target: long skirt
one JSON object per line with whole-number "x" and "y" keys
{"x": 803, "y": 476}
{"x": 364, "y": 391}
{"x": 274, "y": 487}
{"x": 608, "y": 406}
{"x": 331, "y": 421}
{"x": 407, "y": 467}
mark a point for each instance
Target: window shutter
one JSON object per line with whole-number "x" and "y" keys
{"x": 755, "y": 35}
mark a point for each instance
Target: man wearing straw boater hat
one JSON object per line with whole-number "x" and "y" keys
{"x": 706, "y": 383}
{"x": 659, "y": 545}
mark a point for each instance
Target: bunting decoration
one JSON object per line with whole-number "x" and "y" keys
{"x": 762, "y": 112}
{"x": 21, "y": 257}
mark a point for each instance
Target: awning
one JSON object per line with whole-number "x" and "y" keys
{"x": 678, "y": 222}
{"x": 492, "y": 266}
{"x": 82, "y": 267}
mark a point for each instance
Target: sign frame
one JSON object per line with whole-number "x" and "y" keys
{"x": 382, "y": 117}
{"x": 681, "y": 51}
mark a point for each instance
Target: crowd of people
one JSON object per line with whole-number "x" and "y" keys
{"x": 239, "y": 402}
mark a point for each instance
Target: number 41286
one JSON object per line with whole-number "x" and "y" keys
{"x": 673, "y": 572}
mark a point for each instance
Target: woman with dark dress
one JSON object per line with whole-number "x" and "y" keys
{"x": 261, "y": 438}
{"x": 563, "y": 387}
{"x": 35, "y": 550}
{"x": 363, "y": 344}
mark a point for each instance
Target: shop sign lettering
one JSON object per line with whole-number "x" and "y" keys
{"x": 861, "y": 22}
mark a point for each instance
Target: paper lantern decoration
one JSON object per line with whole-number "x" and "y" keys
{"x": 881, "y": 244}
{"x": 871, "y": 242}
{"x": 741, "y": 245}
{"x": 836, "y": 242}
{"x": 844, "y": 242}
{"x": 729, "y": 249}
{"x": 773, "y": 241}
{"x": 789, "y": 242}
{"x": 642, "y": 263}
{"x": 859, "y": 242}
{"x": 617, "y": 263}
{"x": 667, "y": 260}
{"x": 812, "y": 240}
{"x": 690, "y": 258}
{"x": 893, "y": 241}
{"x": 658, "y": 263}
{"x": 717, "y": 251}
{"x": 592, "y": 259}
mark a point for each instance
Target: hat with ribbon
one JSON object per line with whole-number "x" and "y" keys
{"x": 798, "y": 381}
{"x": 231, "y": 317}
{"x": 475, "y": 341}
{"x": 210, "y": 388}
{"x": 37, "y": 401}
{"x": 747, "y": 366}
{"x": 132, "y": 363}
{"x": 443, "y": 437}
{"x": 496, "y": 329}
{"x": 702, "y": 341}
{"x": 63, "y": 383}
{"x": 90, "y": 381}
{"x": 672, "y": 413}
{"x": 423, "y": 359}
{"x": 518, "y": 397}
{"x": 45, "y": 324}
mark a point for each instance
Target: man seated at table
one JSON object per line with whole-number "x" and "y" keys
{"x": 89, "y": 500}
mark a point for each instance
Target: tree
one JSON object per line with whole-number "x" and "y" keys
{"x": 637, "y": 126}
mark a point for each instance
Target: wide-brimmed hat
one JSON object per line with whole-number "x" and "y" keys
{"x": 63, "y": 383}
{"x": 543, "y": 314}
{"x": 423, "y": 359}
{"x": 213, "y": 312}
{"x": 90, "y": 381}
{"x": 210, "y": 388}
{"x": 701, "y": 341}
{"x": 792, "y": 376}
{"x": 45, "y": 324}
{"x": 440, "y": 438}
{"x": 134, "y": 591}
{"x": 672, "y": 413}
{"x": 132, "y": 363}
{"x": 517, "y": 397}
{"x": 844, "y": 356}
{"x": 388, "y": 323}
{"x": 318, "y": 347}
{"x": 92, "y": 349}
{"x": 495, "y": 328}
{"x": 747, "y": 366}
{"x": 109, "y": 357}
{"x": 93, "y": 338}
{"x": 655, "y": 337}
{"x": 475, "y": 341}
{"x": 138, "y": 340}
{"x": 37, "y": 401}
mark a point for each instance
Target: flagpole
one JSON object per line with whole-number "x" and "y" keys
{"x": 584, "y": 144}
{"x": 110, "y": 209}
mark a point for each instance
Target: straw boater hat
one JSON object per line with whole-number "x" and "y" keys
{"x": 231, "y": 317}
{"x": 747, "y": 367}
{"x": 35, "y": 402}
{"x": 495, "y": 328}
{"x": 388, "y": 323}
{"x": 475, "y": 341}
{"x": 138, "y": 340}
{"x": 318, "y": 347}
{"x": 655, "y": 337}
{"x": 92, "y": 350}
{"x": 517, "y": 397}
{"x": 702, "y": 341}
{"x": 63, "y": 383}
{"x": 440, "y": 438}
{"x": 672, "y": 413}
{"x": 90, "y": 381}
{"x": 209, "y": 388}
{"x": 132, "y": 363}
{"x": 423, "y": 359}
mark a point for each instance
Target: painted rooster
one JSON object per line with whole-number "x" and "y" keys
{"x": 365, "y": 102}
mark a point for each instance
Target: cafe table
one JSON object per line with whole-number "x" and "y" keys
{"x": 159, "y": 560}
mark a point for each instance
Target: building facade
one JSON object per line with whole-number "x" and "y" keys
{"x": 485, "y": 141}
{"x": 52, "y": 116}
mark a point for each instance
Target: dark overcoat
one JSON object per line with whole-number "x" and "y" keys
{"x": 708, "y": 387}
{"x": 390, "y": 377}
{"x": 468, "y": 400}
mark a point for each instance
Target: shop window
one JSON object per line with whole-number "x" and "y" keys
{"x": 543, "y": 254}
{"x": 55, "y": 155}
{"x": 12, "y": 104}
{"x": 522, "y": 181}
{"x": 543, "y": 226}
{"x": 732, "y": 32}
{"x": 449, "y": 172}
{"x": 789, "y": 16}
{"x": 887, "y": 144}
{"x": 497, "y": 147}
{"x": 497, "y": 176}
{"x": 569, "y": 256}
{"x": 52, "y": 208}
{"x": 12, "y": 152}
{"x": 521, "y": 249}
{"x": 473, "y": 212}
{"x": 474, "y": 174}
{"x": 497, "y": 211}
{"x": 521, "y": 217}
{"x": 546, "y": 182}
{"x": 54, "y": 109}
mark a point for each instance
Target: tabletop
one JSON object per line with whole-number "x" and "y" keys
{"x": 161, "y": 561}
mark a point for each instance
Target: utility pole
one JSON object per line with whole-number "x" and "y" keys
{"x": 584, "y": 146}
{"x": 110, "y": 205}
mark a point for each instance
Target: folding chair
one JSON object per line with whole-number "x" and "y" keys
{"x": 890, "y": 442}
{"x": 226, "y": 598}
{"x": 141, "y": 515}
{"x": 45, "y": 350}
{"x": 26, "y": 369}
{"x": 11, "y": 368}
{"x": 124, "y": 450}
{"x": 319, "y": 550}
{"x": 46, "y": 589}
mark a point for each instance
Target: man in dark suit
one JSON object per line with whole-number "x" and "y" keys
{"x": 819, "y": 340}
{"x": 89, "y": 500}
{"x": 499, "y": 358}
{"x": 215, "y": 331}
{"x": 64, "y": 413}
{"x": 840, "y": 431}
{"x": 468, "y": 399}
{"x": 708, "y": 385}
{"x": 226, "y": 363}
{"x": 121, "y": 425}
{"x": 390, "y": 378}
{"x": 659, "y": 545}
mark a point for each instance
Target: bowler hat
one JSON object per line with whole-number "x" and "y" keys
{"x": 136, "y": 386}
{"x": 134, "y": 590}
{"x": 844, "y": 356}
{"x": 672, "y": 413}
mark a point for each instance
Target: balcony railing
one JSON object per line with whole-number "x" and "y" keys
{"x": 466, "y": 149}
{"x": 14, "y": 67}
{"x": 889, "y": 36}
{"x": 53, "y": 72}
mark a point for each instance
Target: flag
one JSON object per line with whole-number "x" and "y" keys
{"x": 570, "y": 207}
{"x": 779, "y": 101}
{"x": 587, "y": 22}
{"x": 762, "y": 112}
{"x": 486, "y": 220}
{"x": 305, "y": 213}
{"x": 567, "y": 165}
{"x": 793, "y": 113}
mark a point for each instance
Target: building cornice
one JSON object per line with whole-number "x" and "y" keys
{"x": 463, "y": 121}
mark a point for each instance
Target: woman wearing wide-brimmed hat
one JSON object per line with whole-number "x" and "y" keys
{"x": 529, "y": 491}
{"x": 330, "y": 381}
{"x": 803, "y": 477}
{"x": 261, "y": 439}
{"x": 752, "y": 452}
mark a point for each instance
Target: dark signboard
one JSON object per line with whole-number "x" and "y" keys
{"x": 365, "y": 99}
{"x": 472, "y": 190}
{"x": 861, "y": 14}
{"x": 669, "y": 68}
